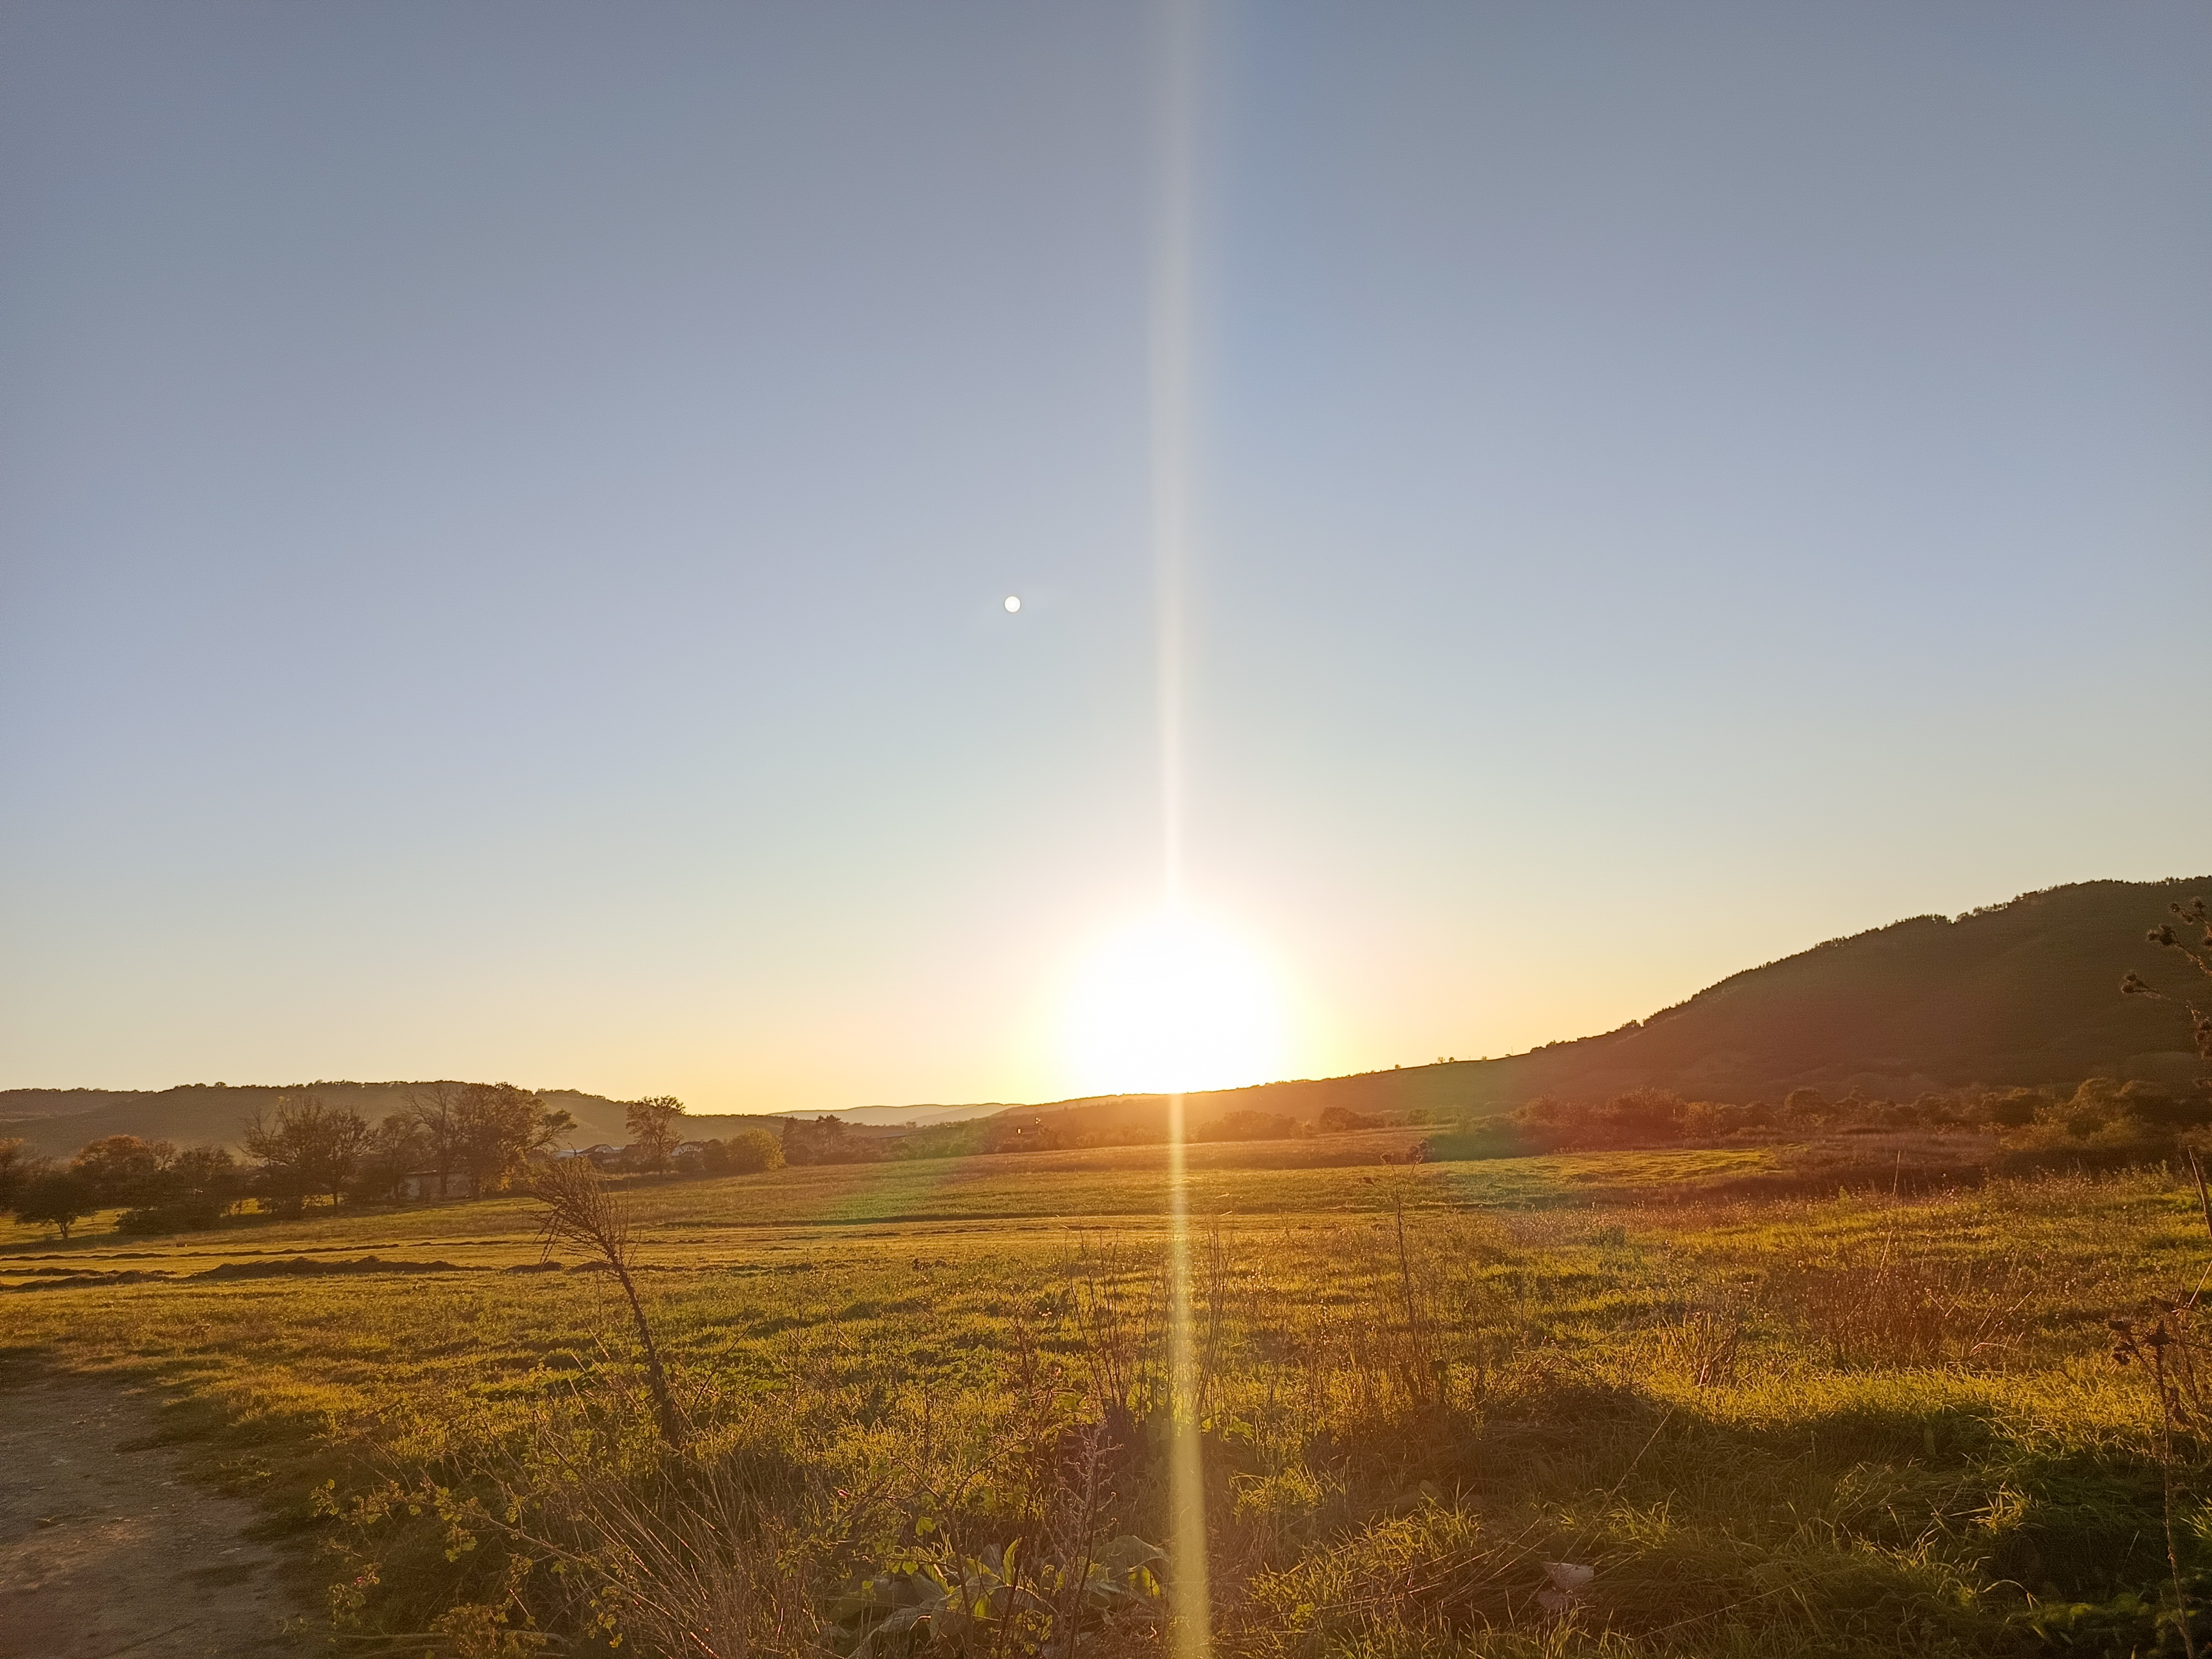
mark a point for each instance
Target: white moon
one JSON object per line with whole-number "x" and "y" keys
{"x": 1012, "y": 604}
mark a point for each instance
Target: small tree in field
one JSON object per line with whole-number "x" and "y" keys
{"x": 59, "y": 1198}
{"x": 654, "y": 1128}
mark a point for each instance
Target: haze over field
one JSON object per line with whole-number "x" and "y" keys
{"x": 507, "y": 514}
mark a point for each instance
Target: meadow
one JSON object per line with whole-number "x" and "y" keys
{"x": 1613, "y": 1403}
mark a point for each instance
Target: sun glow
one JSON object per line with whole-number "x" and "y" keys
{"x": 1170, "y": 1006}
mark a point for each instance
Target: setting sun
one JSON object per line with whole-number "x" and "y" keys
{"x": 1173, "y": 1005}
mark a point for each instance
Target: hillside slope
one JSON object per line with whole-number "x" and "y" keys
{"x": 2026, "y": 992}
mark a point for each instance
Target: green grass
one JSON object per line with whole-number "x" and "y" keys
{"x": 1852, "y": 1424}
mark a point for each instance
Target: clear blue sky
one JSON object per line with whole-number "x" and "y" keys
{"x": 505, "y": 510}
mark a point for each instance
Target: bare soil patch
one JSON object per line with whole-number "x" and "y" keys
{"x": 106, "y": 1550}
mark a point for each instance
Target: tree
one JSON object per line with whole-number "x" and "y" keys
{"x": 196, "y": 1189}
{"x": 397, "y": 1148}
{"x": 485, "y": 1131}
{"x": 203, "y": 1182}
{"x": 829, "y": 1140}
{"x": 652, "y": 1123}
{"x": 747, "y": 1153}
{"x": 311, "y": 1147}
{"x": 499, "y": 1126}
{"x": 59, "y": 1198}
{"x": 437, "y": 1112}
{"x": 124, "y": 1169}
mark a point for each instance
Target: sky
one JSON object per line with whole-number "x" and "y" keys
{"x": 505, "y": 513}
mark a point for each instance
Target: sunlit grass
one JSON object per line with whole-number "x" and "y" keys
{"x": 1810, "y": 1424}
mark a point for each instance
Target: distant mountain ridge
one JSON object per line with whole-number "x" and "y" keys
{"x": 2026, "y": 992}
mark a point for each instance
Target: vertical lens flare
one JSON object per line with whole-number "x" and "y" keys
{"x": 1193, "y": 1626}
{"x": 1170, "y": 375}
{"x": 1171, "y": 423}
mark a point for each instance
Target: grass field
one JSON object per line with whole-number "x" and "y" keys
{"x": 1865, "y": 1423}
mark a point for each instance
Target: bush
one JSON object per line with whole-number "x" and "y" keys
{"x": 750, "y": 1151}
{"x": 185, "y": 1215}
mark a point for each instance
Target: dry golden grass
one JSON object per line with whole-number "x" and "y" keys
{"x": 1871, "y": 1424}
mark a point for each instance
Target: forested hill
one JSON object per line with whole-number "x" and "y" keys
{"x": 2022, "y": 993}
{"x": 61, "y": 1120}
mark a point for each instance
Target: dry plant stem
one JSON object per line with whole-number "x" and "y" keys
{"x": 2146, "y": 1350}
{"x": 580, "y": 1209}
{"x": 2166, "y": 1468}
{"x": 2204, "y": 1194}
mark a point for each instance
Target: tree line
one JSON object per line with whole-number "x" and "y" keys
{"x": 451, "y": 1140}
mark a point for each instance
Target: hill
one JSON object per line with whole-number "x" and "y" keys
{"x": 2026, "y": 992}
{"x": 59, "y": 1120}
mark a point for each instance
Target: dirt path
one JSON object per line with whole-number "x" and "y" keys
{"x": 105, "y": 1550}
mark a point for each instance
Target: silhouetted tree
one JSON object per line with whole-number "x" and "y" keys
{"x": 654, "y": 1130}
{"x": 204, "y": 1181}
{"x": 59, "y": 1198}
{"x": 500, "y": 1126}
{"x": 822, "y": 1142}
{"x": 436, "y": 1111}
{"x": 398, "y": 1146}
{"x": 124, "y": 1169}
{"x": 195, "y": 1189}
{"x": 310, "y": 1148}
{"x": 746, "y": 1152}
{"x": 485, "y": 1131}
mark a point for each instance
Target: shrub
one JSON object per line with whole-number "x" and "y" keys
{"x": 750, "y": 1151}
{"x": 183, "y": 1215}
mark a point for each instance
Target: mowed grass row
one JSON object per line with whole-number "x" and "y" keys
{"x": 1862, "y": 1423}
{"x": 1053, "y": 1188}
